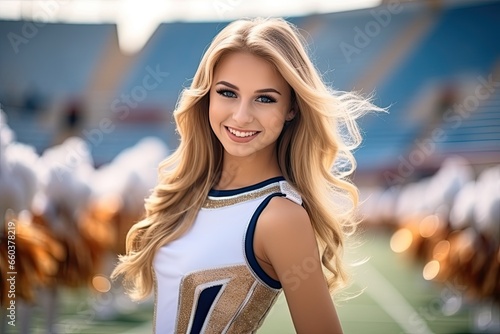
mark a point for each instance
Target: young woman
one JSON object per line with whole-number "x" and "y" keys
{"x": 255, "y": 199}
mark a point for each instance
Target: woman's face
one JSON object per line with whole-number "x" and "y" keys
{"x": 249, "y": 103}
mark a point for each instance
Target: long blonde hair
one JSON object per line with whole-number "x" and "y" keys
{"x": 314, "y": 153}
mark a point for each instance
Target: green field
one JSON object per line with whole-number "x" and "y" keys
{"x": 394, "y": 299}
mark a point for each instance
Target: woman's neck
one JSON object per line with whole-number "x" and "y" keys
{"x": 238, "y": 172}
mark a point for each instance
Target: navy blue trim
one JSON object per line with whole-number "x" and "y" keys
{"x": 249, "y": 252}
{"x": 232, "y": 192}
{"x": 205, "y": 301}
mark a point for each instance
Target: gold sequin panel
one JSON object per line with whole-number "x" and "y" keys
{"x": 253, "y": 313}
{"x": 219, "y": 202}
{"x": 240, "y": 307}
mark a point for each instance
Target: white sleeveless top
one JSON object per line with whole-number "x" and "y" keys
{"x": 209, "y": 280}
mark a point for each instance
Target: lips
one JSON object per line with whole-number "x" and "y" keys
{"x": 240, "y": 135}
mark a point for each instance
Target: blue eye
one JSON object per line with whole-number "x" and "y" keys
{"x": 266, "y": 99}
{"x": 226, "y": 93}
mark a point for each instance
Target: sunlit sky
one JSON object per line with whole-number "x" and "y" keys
{"x": 138, "y": 19}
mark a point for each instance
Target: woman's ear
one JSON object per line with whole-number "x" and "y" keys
{"x": 290, "y": 115}
{"x": 293, "y": 108}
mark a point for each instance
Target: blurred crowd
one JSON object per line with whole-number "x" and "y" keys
{"x": 70, "y": 218}
{"x": 449, "y": 223}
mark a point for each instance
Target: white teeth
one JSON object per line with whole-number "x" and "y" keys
{"x": 241, "y": 134}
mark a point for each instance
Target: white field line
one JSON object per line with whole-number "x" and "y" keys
{"x": 391, "y": 301}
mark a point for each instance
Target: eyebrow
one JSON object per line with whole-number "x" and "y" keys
{"x": 264, "y": 90}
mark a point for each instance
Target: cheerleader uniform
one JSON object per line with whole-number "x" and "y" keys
{"x": 209, "y": 280}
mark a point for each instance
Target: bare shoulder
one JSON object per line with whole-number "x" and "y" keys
{"x": 284, "y": 228}
{"x": 282, "y": 215}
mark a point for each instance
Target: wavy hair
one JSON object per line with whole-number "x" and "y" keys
{"x": 314, "y": 153}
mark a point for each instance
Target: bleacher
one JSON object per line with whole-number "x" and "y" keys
{"x": 28, "y": 129}
{"x": 123, "y": 136}
{"x": 476, "y": 134}
{"x": 341, "y": 66}
{"x": 57, "y": 59}
{"x": 177, "y": 49}
{"x": 460, "y": 41}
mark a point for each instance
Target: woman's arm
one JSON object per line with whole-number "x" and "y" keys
{"x": 285, "y": 240}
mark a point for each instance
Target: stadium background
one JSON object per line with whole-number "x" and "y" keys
{"x": 428, "y": 170}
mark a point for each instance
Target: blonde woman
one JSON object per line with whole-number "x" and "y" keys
{"x": 251, "y": 202}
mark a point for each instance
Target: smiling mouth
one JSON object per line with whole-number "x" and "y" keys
{"x": 241, "y": 134}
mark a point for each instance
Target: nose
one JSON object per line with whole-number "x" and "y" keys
{"x": 243, "y": 114}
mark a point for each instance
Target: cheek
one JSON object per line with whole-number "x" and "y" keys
{"x": 217, "y": 106}
{"x": 277, "y": 117}
{"x": 212, "y": 118}
{"x": 274, "y": 123}
{"x": 216, "y": 116}
{"x": 212, "y": 111}
{"x": 277, "y": 120}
